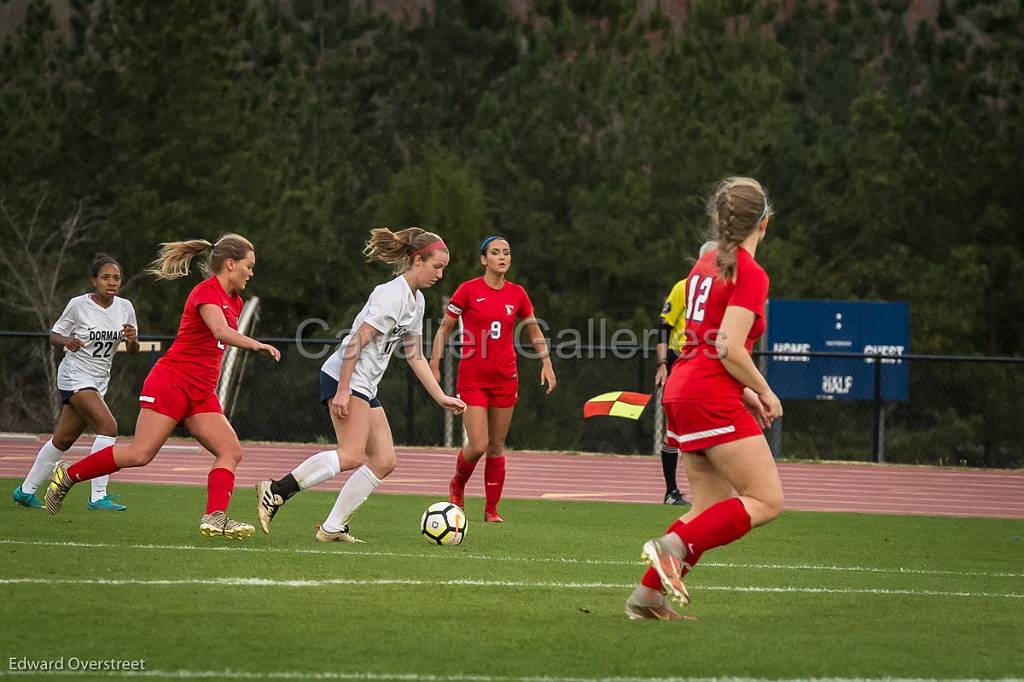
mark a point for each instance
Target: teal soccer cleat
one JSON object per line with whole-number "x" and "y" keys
{"x": 26, "y": 499}
{"x": 106, "y": 504}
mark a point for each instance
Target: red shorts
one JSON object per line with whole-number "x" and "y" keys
{"x": 505, "y": 395}
{"x": 170, "y": 395}
{"x": 695, "y": 426}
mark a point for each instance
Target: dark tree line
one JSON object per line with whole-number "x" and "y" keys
{"x": 588, "y": 133}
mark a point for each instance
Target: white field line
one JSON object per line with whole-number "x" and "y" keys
{"x": 442, "y": 553}
{"x": 470, "y": 582}
{"x": 427, "y": 677}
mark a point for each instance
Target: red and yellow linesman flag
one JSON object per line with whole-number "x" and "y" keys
{"x": 624, "y": 404}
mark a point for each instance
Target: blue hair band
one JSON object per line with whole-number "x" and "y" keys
{"x": 487, "y": 241}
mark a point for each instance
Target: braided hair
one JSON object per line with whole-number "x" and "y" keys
{"x": 736, "y": 208}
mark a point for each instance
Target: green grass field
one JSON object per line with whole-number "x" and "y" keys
{"x": 812, "y": 595}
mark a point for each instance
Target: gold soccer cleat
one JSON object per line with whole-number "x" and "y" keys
{"x": 218, "y": 524}
{"x": 341, "y": 536}
{"x": 60, "y": 484}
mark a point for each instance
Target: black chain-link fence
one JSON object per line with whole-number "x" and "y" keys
{"x": 959, "y": 411}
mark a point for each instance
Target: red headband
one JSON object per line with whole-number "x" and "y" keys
{"x": 439, "y": 244}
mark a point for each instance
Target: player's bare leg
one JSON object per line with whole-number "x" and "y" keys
{"x": 151, "y": 432}
{"x": 749, "y": 466}
{"x": 93, "y": 409}
{"x": 370, "y": 439}
{"x": 322, "y": 466}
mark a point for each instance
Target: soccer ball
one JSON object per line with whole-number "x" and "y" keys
{"x": 443, "y": 524}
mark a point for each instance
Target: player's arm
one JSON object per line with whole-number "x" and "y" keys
{"x": 540, "y": 348}
{"x": 360, "y": 338}
{"x": 413, "y": 347}
{"x": 444, "y": 332}
{"x": 131, "y": 338}
{"x": 61, "y": 335}
{"x": 214, "y": 318}
{"x": 732, "y": 334}
{"x": 132, "y": 346}
{"x": 130, "y": 331}
{"x": 69, "y": 342}
{"x": 661, "y": 351}
{"x": 671, "y": 312}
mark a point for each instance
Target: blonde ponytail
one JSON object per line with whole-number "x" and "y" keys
{"x": 173, "y": 260}
{"x": 398, "y": 249}
{"x": 174, "y": 257}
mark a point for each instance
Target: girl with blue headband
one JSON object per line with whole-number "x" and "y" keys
{"x": 488, "y": 379}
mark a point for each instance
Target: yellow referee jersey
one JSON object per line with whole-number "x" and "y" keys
{"x": 673, "y": 313}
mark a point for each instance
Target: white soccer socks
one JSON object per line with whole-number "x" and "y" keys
{"x": 355, "y": 491}
{"x": 323, "y": 466}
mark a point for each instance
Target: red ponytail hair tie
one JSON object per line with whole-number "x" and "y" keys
{"x": 439, "y": 244}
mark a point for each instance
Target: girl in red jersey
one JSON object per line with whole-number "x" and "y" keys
{"x": 488, "y": 380}
{"x": 717, "y": 403}
{"x": 181, "y": 386}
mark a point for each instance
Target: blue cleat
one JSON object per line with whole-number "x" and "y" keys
{"x": 106, "y": 504}
{"x": 26, "y": 499}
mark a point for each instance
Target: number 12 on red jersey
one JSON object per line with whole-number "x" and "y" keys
{"x": 695, "y": 308}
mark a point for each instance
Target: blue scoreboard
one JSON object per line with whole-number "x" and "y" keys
{"x": 837, "y": 327}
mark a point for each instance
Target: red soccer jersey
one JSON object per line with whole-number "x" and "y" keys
{"x": 196, "y": 354}
{"x": 699, "y": 375}
{"x": 488, "y": 356}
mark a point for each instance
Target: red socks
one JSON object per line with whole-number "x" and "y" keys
{"x": 494, "y": 482}
{"x": 457, "y": 486}
{"x": 219, "y": 486}
{"x": 717, "y": 525}
{"x": 463, "y": 469}
{"x": 99, "y": 463}
{"x": 651, "y": 580}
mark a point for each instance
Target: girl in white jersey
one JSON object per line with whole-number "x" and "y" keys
{"x": 89, "y": 330}
{"x": 349, "y": 379}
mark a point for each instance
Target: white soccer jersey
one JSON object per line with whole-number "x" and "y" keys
{"x": 99, "y": 329}
{"x": 393, "y": 310}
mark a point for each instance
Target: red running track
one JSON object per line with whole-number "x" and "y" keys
{"x": 887, "y": 489}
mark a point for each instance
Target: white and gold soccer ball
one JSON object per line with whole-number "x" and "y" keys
{"x": 443, "y": 524}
